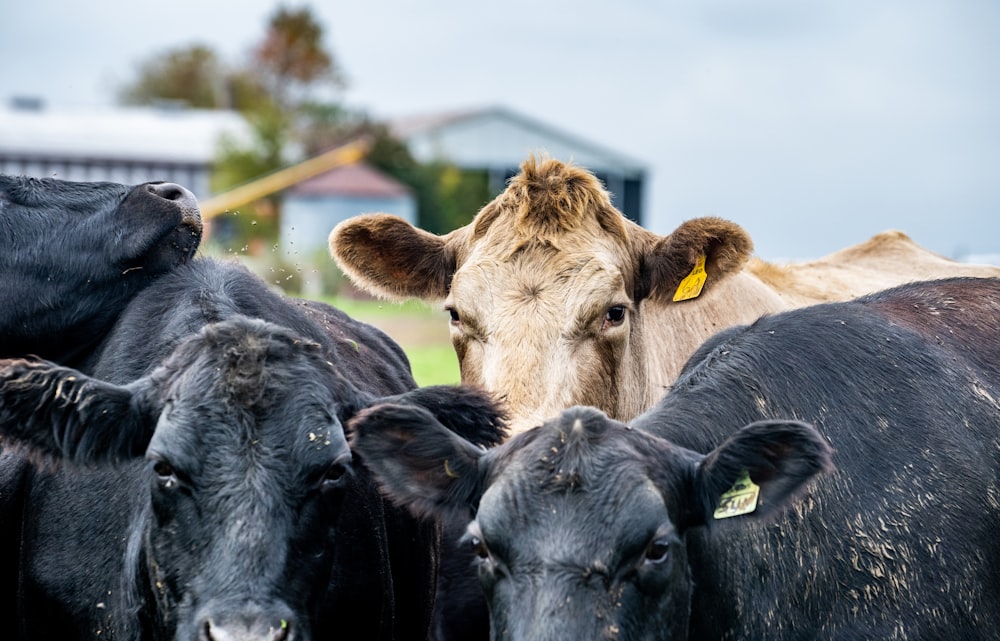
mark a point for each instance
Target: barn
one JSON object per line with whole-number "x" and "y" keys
{"x": 129, "y": 145}
{"x": 498, "y": 139}
{"x": 172, "y": 143}
{"x": 314, "y": 206}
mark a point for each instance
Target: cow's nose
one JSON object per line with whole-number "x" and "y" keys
{"x": 247, "y": 631}
{"x": 173, "y": 191}
{"x": 179, "y": 195}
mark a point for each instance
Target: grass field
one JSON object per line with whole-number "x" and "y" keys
{"x": 421, "y": 330}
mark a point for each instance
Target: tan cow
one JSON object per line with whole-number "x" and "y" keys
{"x": 556, "y": 299}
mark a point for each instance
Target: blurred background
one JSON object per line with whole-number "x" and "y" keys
{"x": 813, "y": 125}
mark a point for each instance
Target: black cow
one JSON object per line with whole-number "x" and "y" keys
{"x": 589, "y": 529}
{"x": 73, "y": 254}
{"x": 235, "y": 511}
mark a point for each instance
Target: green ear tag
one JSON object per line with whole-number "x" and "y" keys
{"x": 741, "y": 498}
{"x": 691, "y": 286}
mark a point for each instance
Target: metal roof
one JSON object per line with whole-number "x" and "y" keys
{"x": 119, "y": 133}
{"x": 497, "y": 137}
{"x": 357, "y": 179}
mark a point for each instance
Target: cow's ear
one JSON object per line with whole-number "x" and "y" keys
{"x": 418, "y": 462}
{"x": 692, "y": 259}
{"x": 757, "y": 472}
{"x": 469, "y": 411}
{"x": 57, "y": 413}
{"x": 389, "y": 257}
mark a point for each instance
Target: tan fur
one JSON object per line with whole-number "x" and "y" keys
{"x": 540, "y": 272}
{"x": 885, "y": 260}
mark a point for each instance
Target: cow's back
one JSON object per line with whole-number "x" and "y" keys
{"x": 883, "y": 261}
{"x": 901, "y": 535}
{"x": 206, "y": 291}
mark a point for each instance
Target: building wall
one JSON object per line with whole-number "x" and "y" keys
{"x": 306, "y": 222}
{"x": 193, "y": 176}
{"x": 499, "y": 141}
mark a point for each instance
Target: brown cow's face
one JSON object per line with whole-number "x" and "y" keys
{"x": 544, "y": 288}
{"x": 548, "y": 328}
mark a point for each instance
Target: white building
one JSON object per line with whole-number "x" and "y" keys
{"x": 129, "y": 145}
{"x": 138, "y": 144}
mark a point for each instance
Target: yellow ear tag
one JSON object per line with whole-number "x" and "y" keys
{"x": 740, "y": 499}
{"x": 691, "y": 286}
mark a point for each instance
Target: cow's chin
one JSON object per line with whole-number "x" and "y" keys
{"x": 177, "y": 247}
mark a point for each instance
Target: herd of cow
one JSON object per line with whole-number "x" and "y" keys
{"x": 657, "y": 437}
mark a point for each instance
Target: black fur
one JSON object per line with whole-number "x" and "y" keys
{"x": 77, "y": 536}
{"x": 56, "y": 413}
{"x": 72, "y": 256}
{"x": 901, "y": 387}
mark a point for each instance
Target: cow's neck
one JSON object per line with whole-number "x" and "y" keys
{"x": 673, "y": 331}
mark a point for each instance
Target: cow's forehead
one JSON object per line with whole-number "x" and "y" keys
{"x": 503, "y": 240}
{"x": 579, "y": 456}
{"x": 298, "y": 423}
{"x": 281, "y": 402}
{"x": 541, "y": 274}
{"x": 537, "y": 517}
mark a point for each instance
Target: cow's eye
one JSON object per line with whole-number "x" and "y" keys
{"x": 478, "y": 547}
{"x": 165, "y": 474}
{"x": 658, "y": 551}
{"x": 455, "y": 318}
{"x": 335, "y": 475}
{"x": 614, "y": 317}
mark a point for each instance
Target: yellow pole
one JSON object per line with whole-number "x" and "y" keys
{"x": 284, "y": 178}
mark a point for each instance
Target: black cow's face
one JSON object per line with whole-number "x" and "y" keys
{"x": 96, "y": 226}
{"x": 72, "y": 254}
{"x": 580, "y": 524}
{"x": 247, "y": 468}
{"x": 583, "y": 545}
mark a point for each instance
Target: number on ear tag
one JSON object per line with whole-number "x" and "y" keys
{"x": 691, "y": 286}
{"x": 740, "y": 499}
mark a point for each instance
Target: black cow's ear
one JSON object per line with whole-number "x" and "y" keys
{"x": 469, "y": 411}
{"x": 57, "y": 413}
{"x": 757, "y": 472}
{"x": 418, "y": 462}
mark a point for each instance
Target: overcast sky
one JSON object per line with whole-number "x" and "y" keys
{"x": 814, "y": 125}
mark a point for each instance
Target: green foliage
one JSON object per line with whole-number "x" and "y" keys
{"x": 321, "y": 126}
{"x": 272, "y": 89}
{"x": 456, "y": 196}
{"x": 191, "y": 75}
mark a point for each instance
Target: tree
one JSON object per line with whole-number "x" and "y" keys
{"x": 192, "y": 75}
{"x": 287, "y": 89}
{"x": 292, "y": 58}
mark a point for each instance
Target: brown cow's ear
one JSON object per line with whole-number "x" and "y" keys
{"x": 696, "y": 256}
{"x": 389, "y": 257}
